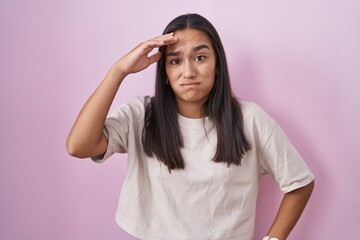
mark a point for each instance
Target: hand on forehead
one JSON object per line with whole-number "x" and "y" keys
{"x": 189, "y": 40}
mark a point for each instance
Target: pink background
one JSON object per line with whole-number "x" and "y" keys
{"x": 300, "y": 60}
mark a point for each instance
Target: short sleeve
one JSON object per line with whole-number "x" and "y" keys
{"x": 119, "y": 127}
{"x": 279, "y": 158}
{"x": 284, "y": 163}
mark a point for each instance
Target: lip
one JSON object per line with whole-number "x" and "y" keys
{"x": 189, "y": 85}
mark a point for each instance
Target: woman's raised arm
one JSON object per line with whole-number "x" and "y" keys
{"x": 86, "y": 138}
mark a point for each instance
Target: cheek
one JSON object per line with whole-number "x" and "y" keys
{"x": 211, "y": 84}
{"x": 209, "y": 75}
{"x": 212, "y": 79}
{"x": 171, "y": 73}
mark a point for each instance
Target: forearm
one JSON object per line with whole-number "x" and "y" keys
{"x": 290, "y": 211}
{"x": 86, "y": 138}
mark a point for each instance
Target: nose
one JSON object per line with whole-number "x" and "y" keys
{"x": 189, "y": 70}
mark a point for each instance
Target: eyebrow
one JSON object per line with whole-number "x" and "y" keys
{"x": 195, "y": 49}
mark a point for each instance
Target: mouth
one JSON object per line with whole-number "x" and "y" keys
{"x": 189, "y": 85}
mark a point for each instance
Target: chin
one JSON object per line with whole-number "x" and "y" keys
{"x": 193, "y": 99}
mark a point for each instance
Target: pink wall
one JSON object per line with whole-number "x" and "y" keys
{"x": 298, "y": 59}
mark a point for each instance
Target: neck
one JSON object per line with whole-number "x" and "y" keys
{"x": 191, "y": 110}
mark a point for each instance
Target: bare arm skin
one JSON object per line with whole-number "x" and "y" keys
{"x": 290, "y": 211}
{"x": 86, "y": 138}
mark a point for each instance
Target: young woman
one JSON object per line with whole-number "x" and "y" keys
{"x": 195, "y": 152}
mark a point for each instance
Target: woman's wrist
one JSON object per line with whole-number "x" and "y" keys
{"x": 115, "y": 75}
{"x": 116, "y": 69}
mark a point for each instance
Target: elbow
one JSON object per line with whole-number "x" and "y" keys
{"x": 73, "y": 149}
{"x": 85, "y": 147}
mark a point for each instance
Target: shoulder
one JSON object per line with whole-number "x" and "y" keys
{"x": 135, "y": 106}
{"x": 253, "y": 112}
{"x": 257, "y": 123}
{"x": 139, "y": 101}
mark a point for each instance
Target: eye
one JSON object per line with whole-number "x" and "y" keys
{"x": 174, "y": 61}
{"x": 200, "y": 58}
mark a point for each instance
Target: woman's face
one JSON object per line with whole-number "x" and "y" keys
{"x": 190, "y": 67}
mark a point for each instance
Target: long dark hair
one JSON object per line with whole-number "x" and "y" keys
{"x": 162, "y": 136}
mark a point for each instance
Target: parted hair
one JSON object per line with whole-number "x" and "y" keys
{"x": 161, "y": 134}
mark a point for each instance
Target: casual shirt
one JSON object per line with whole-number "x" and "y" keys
{"x": 205, "y": 200}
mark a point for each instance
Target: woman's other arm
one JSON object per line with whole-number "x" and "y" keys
{"x": 290, "y": 210}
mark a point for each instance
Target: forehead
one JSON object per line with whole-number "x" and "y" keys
{"x": 189, "y": 38}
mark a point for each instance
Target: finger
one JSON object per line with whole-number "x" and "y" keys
{"x": 158, "y": 41}
{"x": 167, "y": 38}
{"x": 171, "y": 41}
{"x": 149, "y": 45}
{"x": 164, "y": 36}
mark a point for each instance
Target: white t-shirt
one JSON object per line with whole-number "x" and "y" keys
{"x": 206, "y": 200}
